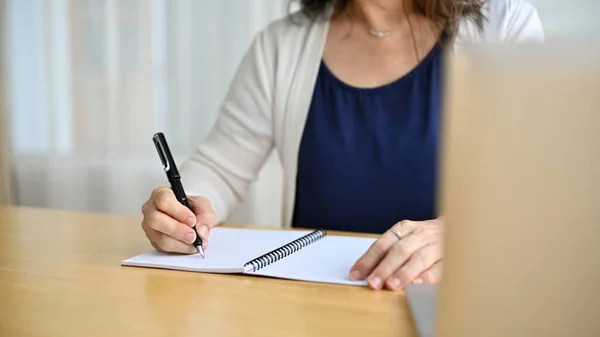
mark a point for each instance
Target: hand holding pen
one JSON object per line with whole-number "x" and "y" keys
{"x": 174, "y": 222}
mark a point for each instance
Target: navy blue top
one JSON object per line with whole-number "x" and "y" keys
{"x": 368, "y": 157}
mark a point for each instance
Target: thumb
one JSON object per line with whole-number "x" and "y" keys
{"x": 206, "y": 218}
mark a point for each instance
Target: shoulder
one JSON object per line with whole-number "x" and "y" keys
{"x": 505, "y": 21}
{"x": 293, "y": 23}
{"x": 293, "y": 31}
{"x": 499, "y": 8}
{"x": 287, "y": 47}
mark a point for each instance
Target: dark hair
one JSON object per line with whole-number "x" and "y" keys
{"x": 444, "y": 14}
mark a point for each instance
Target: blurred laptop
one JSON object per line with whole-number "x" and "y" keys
{"x": 520, "y": 193}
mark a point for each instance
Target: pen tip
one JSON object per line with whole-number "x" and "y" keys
{"x": 200, "y": 250}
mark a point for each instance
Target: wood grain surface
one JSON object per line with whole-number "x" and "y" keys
{"x": 60, "y": 275}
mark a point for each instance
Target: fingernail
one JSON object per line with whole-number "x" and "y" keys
{"x": 190, "y": 221}
{"x": 418, "y": 281}
{"x": 190, "y": 237}
{"x": 355, "y": 275}
{"x": 203, "y": 230}
{"x": 395, "y": 283}
{"x": 375, "y": 282}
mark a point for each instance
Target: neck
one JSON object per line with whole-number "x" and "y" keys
{"x": 381, "y": 15}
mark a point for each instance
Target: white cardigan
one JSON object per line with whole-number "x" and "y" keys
{"x": 270, "y": 95}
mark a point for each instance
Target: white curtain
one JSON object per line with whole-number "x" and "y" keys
{"x": 5, "y": 149}
{"x": 90, "y": 81}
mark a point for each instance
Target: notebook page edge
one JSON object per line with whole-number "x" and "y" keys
{"x": 226, "y": 270}
{"x": 311, "y": 280}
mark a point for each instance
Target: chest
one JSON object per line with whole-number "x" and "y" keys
{"x": 386, "y": 125}
{"x": 368, "y": 62}
{"x": 368, "y": 155}
{"x": 367, "y": 67}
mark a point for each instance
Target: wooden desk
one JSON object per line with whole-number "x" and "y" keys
{"x": 60, "y": 275}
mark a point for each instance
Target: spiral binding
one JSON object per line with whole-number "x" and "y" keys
{"x": 283, "y": 251}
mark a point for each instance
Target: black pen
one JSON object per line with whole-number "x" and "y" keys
{"x": 174, "y": 179}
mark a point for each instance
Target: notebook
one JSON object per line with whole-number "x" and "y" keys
{"x": 311, "y": 256}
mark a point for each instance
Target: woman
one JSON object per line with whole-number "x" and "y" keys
{"x": 348, "y": 93}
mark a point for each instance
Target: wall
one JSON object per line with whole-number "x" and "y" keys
{"x": 569, "y": 18}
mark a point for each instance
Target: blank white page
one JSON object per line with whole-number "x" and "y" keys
{"x": 327, "y": 260}
{"x": 228, "y": 250}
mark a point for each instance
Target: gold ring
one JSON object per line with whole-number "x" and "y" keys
{"x": 160, "y": 190}
{"x": 397, "y": 233}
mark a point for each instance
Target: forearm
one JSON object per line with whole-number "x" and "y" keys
{"x": 201, "y": 177}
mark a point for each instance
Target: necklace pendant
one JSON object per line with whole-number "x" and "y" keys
{"x": 379, "y": 34}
